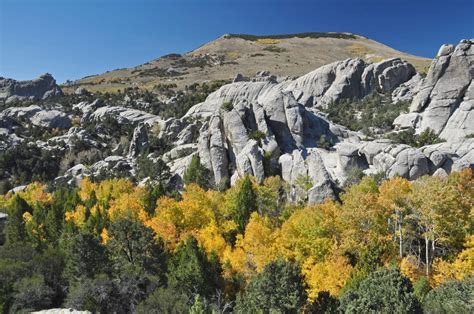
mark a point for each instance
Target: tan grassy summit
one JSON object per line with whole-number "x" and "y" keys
{"x": 223, "y": 58}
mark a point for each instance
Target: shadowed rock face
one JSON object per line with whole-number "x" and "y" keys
{"x": 42, "y": 87}
{"x": 445, "y": 98}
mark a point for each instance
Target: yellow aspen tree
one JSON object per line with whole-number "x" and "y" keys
{"x": 394, "y": 198}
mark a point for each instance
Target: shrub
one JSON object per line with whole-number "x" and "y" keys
{"x": 31, "y": 294}
{"x": 408, "y": 137}
{"x": 421, "y": 288}
{"x": 164, "y": 300}
{"x": 268, "y": 41}
{"x": 325, "y": 142}
{"x": 298, "y": 35}
{"x": 274, "y": 49}
{"x": 451, "y": 297}
{"x": 384, "y": 291}
{"x": 227, "y": 106}
{"x": 279, "y": 288}
{"x": 156, "y": 170}
{"x": 373, "y": 111}
{"x": 257, "y": 135}
{"x": 270, "y": 167}
{"x": 98, "y": 295}
{"x": 354, "y": 175}
{"x": 324, "y": 303}
{"x": 304, "y": 182}
{"x": 427, "y": 137}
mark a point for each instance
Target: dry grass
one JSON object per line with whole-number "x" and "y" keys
{"x": 375, "y": 59}
{"x": 358, "y": 50}
{"x": 232, "y": 55}
{"x": 268, "y": 41}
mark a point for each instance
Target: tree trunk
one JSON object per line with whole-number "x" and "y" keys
{"x": 427, "y": 256}
{"x": 401, "y": 240}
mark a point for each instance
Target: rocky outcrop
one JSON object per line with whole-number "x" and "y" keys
{"x": 349, "y": 79}
{"x": 406, "y": 91}
{"x": 41, "y": 88}
{"x": 73, "y": 176}
{"x": 445, "y": 100}
{"x": 121, "y": 115}
{"x": 248, "y": 124}
{"x": 268, "y": 125}
{"x": 53, "y": 119}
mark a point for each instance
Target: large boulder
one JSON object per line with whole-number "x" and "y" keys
{"x": 250, "y": 161}
{"x": 53, "y": 119}
{"x": 406, "y": 91}
{"x": 120, "y": 114}
{"x": 329, "y": 83}
{"x": 349, "y": 79}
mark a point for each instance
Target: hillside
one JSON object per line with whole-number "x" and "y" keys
{"x": 347, "y": 189}
{"x": 223, "y": 58}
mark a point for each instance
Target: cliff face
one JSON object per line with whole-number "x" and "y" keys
{"x": 445, "y": 98}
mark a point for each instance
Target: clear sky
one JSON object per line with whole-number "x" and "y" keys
{"x": 75, "y": 38}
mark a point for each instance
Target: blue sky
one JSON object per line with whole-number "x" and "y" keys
{"x": 75, "y": 38}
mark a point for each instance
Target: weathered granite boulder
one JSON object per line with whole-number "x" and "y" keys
{"x": 250, "y": 161}
{"x": 81, "y": 91}
{"x": 349, "y": 79}
{"x": 407, "y": 90}
{"x": 52, "y": 119}
{"x": 74, "y": 175}
{"x": 114, "y": 166}
{"x": 120, "y": 114}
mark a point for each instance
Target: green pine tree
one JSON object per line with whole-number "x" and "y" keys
{"x": 279, "y": 288}
{"x": 191, "y": 272}
{"x": 196, "y": 173}
{"x": 245, "y": 204}
{"x": 15, "y": 228}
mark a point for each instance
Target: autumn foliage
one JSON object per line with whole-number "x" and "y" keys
{"x": 423, "y": 228}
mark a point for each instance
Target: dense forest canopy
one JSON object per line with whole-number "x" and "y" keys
{"x": 113, "y": 246}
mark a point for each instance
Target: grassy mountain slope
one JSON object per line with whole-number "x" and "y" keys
{"x": 223, "y": 58}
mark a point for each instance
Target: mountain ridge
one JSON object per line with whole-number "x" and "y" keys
{"x": 221, "y": 59}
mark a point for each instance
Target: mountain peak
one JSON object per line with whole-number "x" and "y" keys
{"x": 291, "y": 55}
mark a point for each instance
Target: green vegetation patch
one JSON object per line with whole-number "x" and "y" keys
{"x": 274, "y": 49}
{"x": 408, "y": 137}
{"x": 374, "y": 111}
